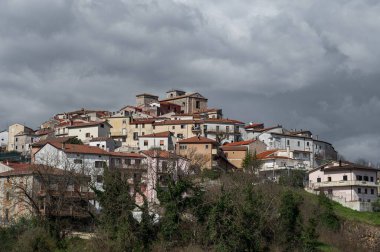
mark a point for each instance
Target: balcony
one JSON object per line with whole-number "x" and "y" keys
{"x": 343, "y": 183}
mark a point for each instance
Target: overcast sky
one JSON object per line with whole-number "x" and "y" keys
{"x": 303, "y": 64}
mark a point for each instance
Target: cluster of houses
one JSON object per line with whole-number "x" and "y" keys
{"x": 174, "y": 136}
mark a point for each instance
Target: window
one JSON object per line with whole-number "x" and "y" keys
{"x": 217, "y": 128}
{"x": 136, "y": 126}
{"x": 123, "y": 139}
{"x": 358, "y": 177}
{"x": 135, "y": 135}
{"x": 182, "y": 126}
{"x": 344, "y": 177}
{"x": 143, "y": 126}
{"x": 173, "y": 127}
{"x": 298, "y": 144}
{"x": 180, "y": 135}
{"x": 227, "y": 128}
{"x": 124, "y": 121}
{"x": 197, "y": 104}
{"x": 365, "y": 178}
{"x": 16, "y": 139}
{"x": 329, "y": 179}
{"x": 137, "y": 161}
{"x": 164, "y": 166}
{"x": 288, "y": 142}
{"x": 371, "y": 179}
{"x": 145, "y": 142}
{"x": 182, "y": 146}
{"x": 206, "y": 146}
{"x": 162, "y": 142}
{"x": 99, "y": 178}
{"x": 372, "y": 191}
{"x": 100, "y": 164}
{"x": 359, "y": 190}
{"x": 154, "y": 127}
{"x": 16, "y": 147}
{"x": 142, "y": 133}
{"x": 87, "y": 134}
{"x": 307, "y": 144}
{"x": 101, "y": 125}
{"x": 78, "y": 161}
{"x": 98, "y": 145}
{"x": 365, "y": 191}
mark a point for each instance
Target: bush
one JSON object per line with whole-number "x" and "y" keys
{"x": 35, "y": 239}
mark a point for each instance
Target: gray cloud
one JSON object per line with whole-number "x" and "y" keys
{"x": 303, "y": 64}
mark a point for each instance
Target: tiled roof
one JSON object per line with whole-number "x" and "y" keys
{"x": 197, "y": 139}
{"x": 215, "y": 120}
{"x": 158, "y": 153}
{"x": 52, "y": 140}
{"x": 157, "y": 135}
{"x": 31, "y": 169}
{"x": 80, "y": 125}
{"x": 146, "y": 94}
{"x": 265, "y": 154}
{"x": 126, "y": 154}
{"x": 177, "y": 122}
{"x": 343, "y": 165}
{"x": 79, "y": 148}
{"x": 254, "y": 125}
{"x": 240, "y": 143}
{"x": 234, "y": 148}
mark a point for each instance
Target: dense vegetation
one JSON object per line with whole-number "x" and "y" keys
{"x": 215, "y": 211}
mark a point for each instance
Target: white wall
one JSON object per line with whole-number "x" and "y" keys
{"x": 4, "y": 138}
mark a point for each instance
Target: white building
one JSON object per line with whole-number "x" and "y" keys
{"x": 163, "y": 140}
{"x": 226, "y": 129}
{"x": 354, "y": 186}
{"x": 296, "y": 141}
{"x": 87, "y": 131}
{"x": 105, "y": 143}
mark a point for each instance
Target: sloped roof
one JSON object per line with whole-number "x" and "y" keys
{"x": 126, "y": 154}
{"x": 89, "y": 124}
{"x": 157, "y": 135}
{"x": 79, "y": 148}
{"x": 53, "y": 140}
{"x": 234, "y": 148}
{"x": 161, "y": 154}
{"x": 241, "y": 143}
{"x": 184, "y": 96}
{"x": 198, "y": 140}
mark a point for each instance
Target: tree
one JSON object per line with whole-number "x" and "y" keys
{"x": 251, "y": 163}
{"x": 290, "y": 221}
{"x": 74, "y": 141}
{"x": 327, "y": 215}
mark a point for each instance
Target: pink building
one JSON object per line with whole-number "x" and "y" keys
{"x": 354, "y": 186}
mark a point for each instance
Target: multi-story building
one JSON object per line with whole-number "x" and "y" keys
{"x": 16, "y": 129}
{"x": 86, "y": 131}
{"x": 299, "y": 141}
{"x": 354, "y": 186}
{"x": 200, "y": 150}
{"x": 189, "y": 102}
{"x": 43, "y": 191}
{"x": 236, "y": 152}
{"x": 162, "y": 140}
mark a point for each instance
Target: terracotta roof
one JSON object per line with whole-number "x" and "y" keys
{"x": 29, "y": 169}
{"x": 207, "y": 110}
{"x": 158, "y": 153}
{"x": 234, "y": 148}
{"x": 169, "y": 103}
{"x": 88, "y": 124}
{"x": 336, "y": 165}
{"x": 177, "y": 122}
{"x": 79, "y": 148}
{"x": 52, "y": 140}
{"x": 42, "y": 132}
{"x": 160, "y": 134}
{"x": 254, "y": 125}
{"x": 265, "y": 154}
{"x": 126, "y": 154}
{"x": 215, "y": 120}
{"x": 17, "y": 166}
{"x": 270, "y": 128}
{"x": 240, "y": 143}
{"x": 197, "y": 139}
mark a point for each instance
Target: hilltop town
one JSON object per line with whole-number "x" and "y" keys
{"x": 176, "y": 135}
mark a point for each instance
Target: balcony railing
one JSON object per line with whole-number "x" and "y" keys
{"x": 343, "y": 183}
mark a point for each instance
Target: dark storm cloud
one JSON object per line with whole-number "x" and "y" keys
{"x": 303, "y": 64}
